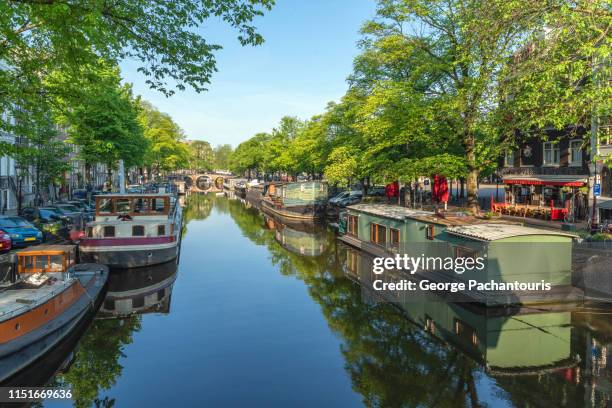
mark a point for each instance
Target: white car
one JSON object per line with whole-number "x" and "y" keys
{"x": 344, "y": 195}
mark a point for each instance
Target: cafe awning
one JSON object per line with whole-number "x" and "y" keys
{"x": 547, "y": 180}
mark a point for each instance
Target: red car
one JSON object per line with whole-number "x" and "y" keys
{"x": 5, "y": 241}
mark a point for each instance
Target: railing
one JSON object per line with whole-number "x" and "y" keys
{"x": 532, "y": 171}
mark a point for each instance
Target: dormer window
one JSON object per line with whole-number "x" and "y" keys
{"x": 551, "y": 154}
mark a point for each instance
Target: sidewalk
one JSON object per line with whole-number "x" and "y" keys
{"x": 582, "y": 225}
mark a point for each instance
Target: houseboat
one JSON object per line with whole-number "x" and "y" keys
{"x": 303, "y": 238}
{"x": 133, "y": 230}
{"x": 230, "y": 183}
{"x": 254, "y": 193}
{"x": 301, "y": 200}
{"x": 527, "y": 265}
{"x": 507, "y": 342}
{"x": 48, "y": 296}
{"x": 143, "y": 290}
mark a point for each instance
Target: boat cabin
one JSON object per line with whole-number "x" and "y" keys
{"x": 46, "y": 258}
{"x": 111, "y": 206}
{"x": 510, "y": 252}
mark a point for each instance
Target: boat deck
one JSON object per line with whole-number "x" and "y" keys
{"x": 13, "y": 301}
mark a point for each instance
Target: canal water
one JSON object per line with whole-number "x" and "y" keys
{"x": 261, "y": 312}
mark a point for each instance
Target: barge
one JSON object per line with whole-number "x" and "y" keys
{"x": 51, "y": 294}
{"x": 300, "y": 200}
{"x": 520, "y": 265}
{"x": 133, "y": 230}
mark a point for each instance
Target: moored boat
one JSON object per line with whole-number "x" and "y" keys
{"x": 133, "y": 230}
{"x": 50, "y": 295}
{"x": 300, "y": 200}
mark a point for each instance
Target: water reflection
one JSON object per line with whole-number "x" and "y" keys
{"x": 402, "y": 352}
{"x": 138, "y": 291}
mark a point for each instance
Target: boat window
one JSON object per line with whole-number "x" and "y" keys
{"x": 465, "y": 332}
{"x": 138, "y": 230}
{"x": 430, "y": 231}
{"x": 28, "y": 263}
{"x": 41, "y": 263}
{"x": 158, "y": 204}
{"x": 89, "y": 232}
{"x": 463, "y": 252}
{"x": 105, "y": 206}
{"x": 352, "y": 225}
{"x": 122, "y": 205}
{"x": 141, "y": 205}
{"x": 378, "y": 234}
{"x": 394, "y": 235}
{"x": 56, "y": 263}
{"x": 109, "y": 231}
{"x": 161, "y": 230}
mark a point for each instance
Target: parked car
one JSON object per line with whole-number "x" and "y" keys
{"x": 74, "y": 212}
{"x": 82, "y": 205}
{"x": 376, "y": 191}
{"x": 5, "y": 241}
{"x": 352, "y": 198}
{"x": 48, "y": 219}
{"x": 344, "y": 195}
{"x": 20, "y": 231}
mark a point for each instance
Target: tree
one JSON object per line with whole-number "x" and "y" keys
{"x": 222, "y": 154}
{"x": 159, "y": 35}
{"x": 249, "y": 156}
{"x": 201, "y": 157}
{"x": 166, "y": 150}
{"x": 102, "y": 117}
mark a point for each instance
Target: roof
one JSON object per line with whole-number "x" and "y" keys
{"x": 45, "y": 248}
{"x": 127, "y": 195}
{"x": 390, "y": 211}
{"x": 493, "y": 232}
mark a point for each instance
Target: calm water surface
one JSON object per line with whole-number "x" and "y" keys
{"x": 264, "y": 313}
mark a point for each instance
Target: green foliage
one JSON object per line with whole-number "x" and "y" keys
{"x": 342, "y": 166}
{"x": 164, "y": 137}
{"x": 222, "y": 155}
{"x": 201, "y": 156}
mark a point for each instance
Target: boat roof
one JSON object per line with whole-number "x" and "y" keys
{"x": 46, "y": 249}
{"x": 402, "y": 213}
{"x": 493, "y": 232}
{"x": 127, "y": 195}
{"x": 390, "y": 211}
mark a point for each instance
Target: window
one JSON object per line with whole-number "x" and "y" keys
{"x": 352, "y": 226}
{"x": 575, "y": 153}
{"x": 122, "y": 205}
{"x": 394, "y": 237}
{"x": 105, "y": 206}
{"x": 430, "y": 231}
{"x": 161, "y": 230}
{"x": 157, "y": 204}
{"x": 89, "y": 233}
{"x": 352, "y": 259}
{"x": 551, "y": 154}
{"x": 463, "y": 252}
{"x": 509, "y": 158}
{"x": 141, "y": 205}
{"x": 378, "y": 234}
{"x": 109, "y": 231}
{"x": 465, "y": 332}
{"x": 138, "y": 230}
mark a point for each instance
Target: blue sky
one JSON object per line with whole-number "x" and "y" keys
{"x": 303, "y": 64}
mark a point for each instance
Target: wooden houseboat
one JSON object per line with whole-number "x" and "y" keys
{"x": 133, "y": 230}
{"x": 510, "y": 253}
{"x": 230, "y": 183}
{"x": 511, "y": 341}
{"x": 47, "y": 299}
{"x": 301, "y": 200}
{"x": 142, "y": 290}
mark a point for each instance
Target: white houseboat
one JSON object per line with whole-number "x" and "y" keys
{"x": 133, "y": 230}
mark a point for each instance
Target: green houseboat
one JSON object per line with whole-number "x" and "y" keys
{"x": 511, "y": 341}
{"x": 300, "y": 200}
{"x": 519, "y": 265}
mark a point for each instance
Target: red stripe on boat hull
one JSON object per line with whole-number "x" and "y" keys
{"x": 97, "y": 242}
